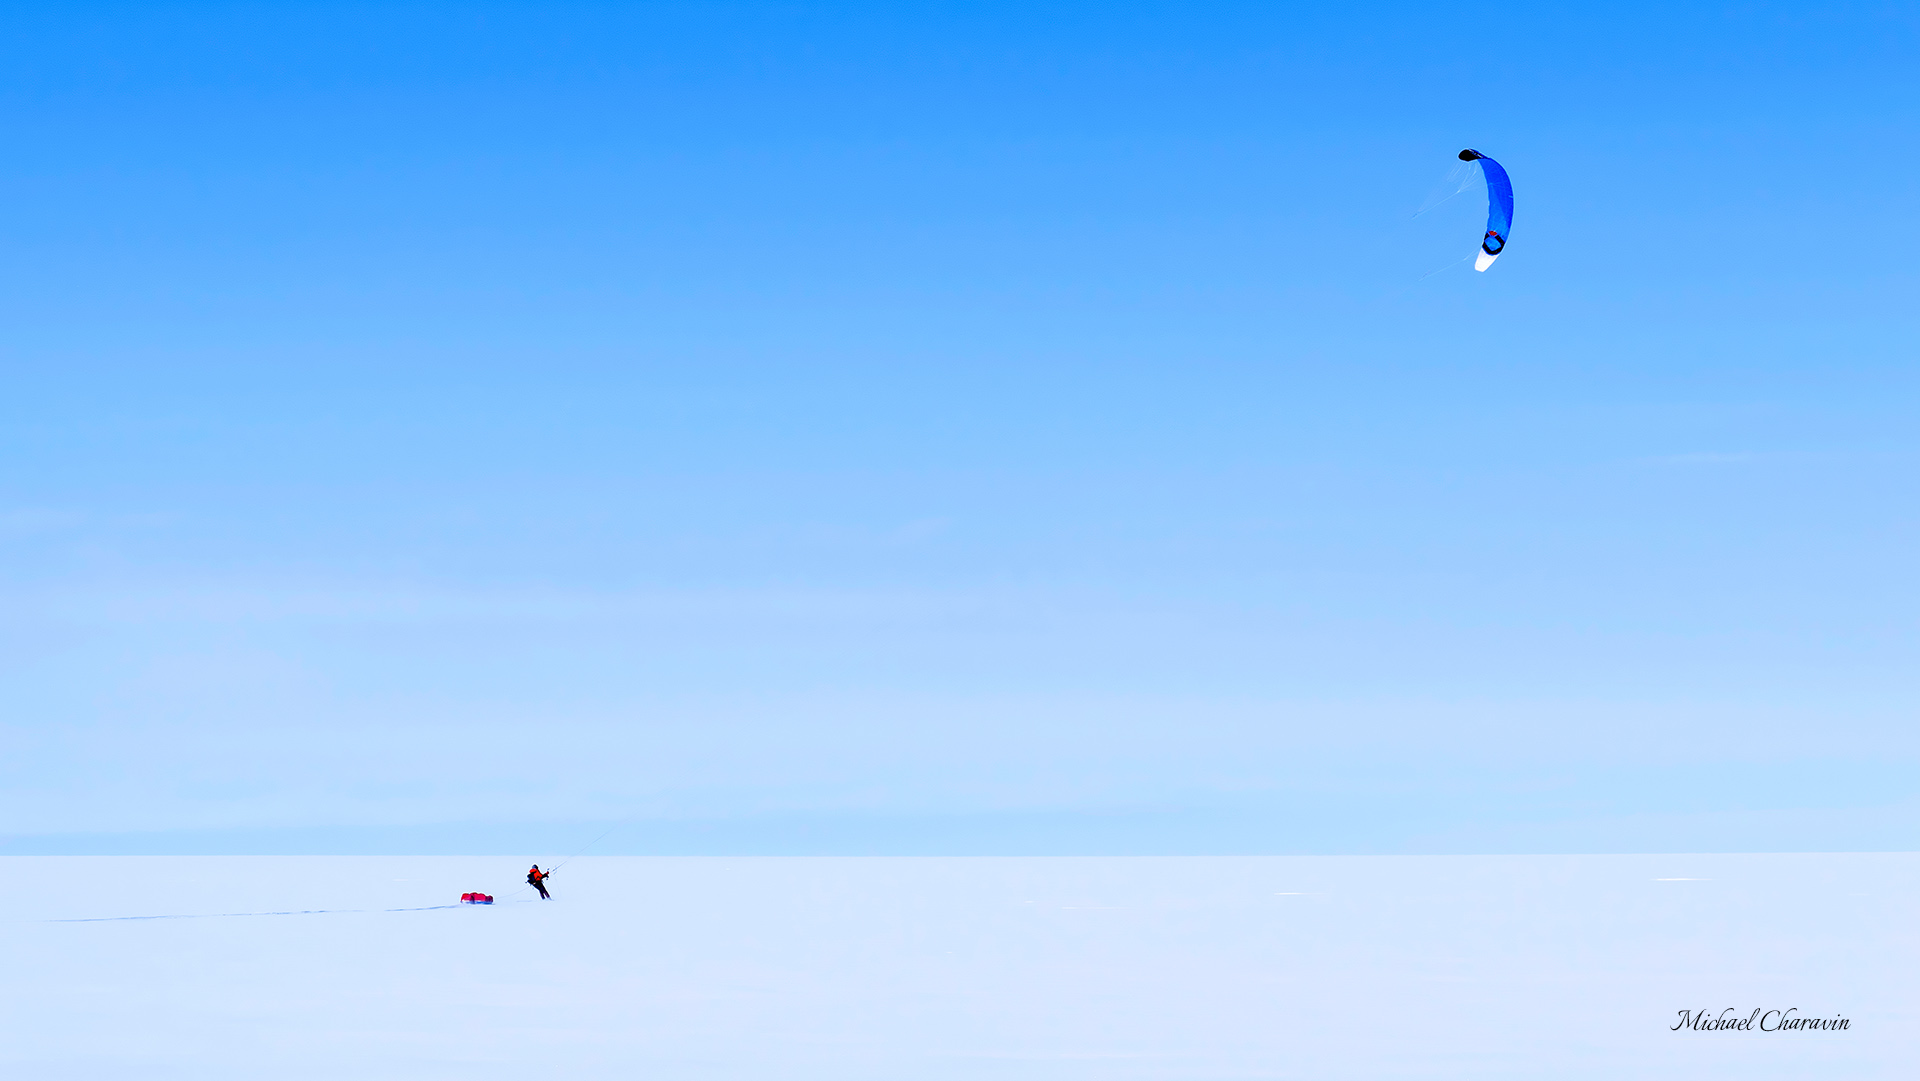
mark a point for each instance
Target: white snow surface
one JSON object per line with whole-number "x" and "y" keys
{"x": 1058, "y": 968}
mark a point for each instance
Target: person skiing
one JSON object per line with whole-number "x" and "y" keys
{"x": 538, "y": 880}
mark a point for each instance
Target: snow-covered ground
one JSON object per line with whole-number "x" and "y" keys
{"x": 1311, "y": 967}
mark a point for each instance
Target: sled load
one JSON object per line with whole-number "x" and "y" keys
{"x": 476, "y": 898}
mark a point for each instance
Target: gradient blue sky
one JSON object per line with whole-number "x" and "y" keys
{"x": 955, "y": 428}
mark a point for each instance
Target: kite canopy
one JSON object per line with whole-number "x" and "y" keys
{"x": 1499, "y": 208}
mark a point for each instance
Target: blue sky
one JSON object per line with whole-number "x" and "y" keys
{"x": 983, "y": 427}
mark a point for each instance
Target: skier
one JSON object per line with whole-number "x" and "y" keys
{"x": 538, "y": 880}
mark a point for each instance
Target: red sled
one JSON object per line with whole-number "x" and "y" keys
{"x": 476, "y": 898}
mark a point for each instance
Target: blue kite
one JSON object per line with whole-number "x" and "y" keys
{"x": 1499, "y": 208}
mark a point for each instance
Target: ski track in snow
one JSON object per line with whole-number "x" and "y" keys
{"x": 231, "y": 915}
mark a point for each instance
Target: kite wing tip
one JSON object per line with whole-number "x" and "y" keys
{"x": 1482, "y": 261}
{"x": 1469, "y": 155}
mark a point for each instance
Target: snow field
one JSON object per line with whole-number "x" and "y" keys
{"x": 1309, "y": 967}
